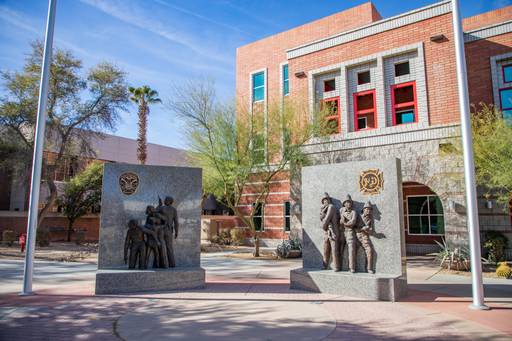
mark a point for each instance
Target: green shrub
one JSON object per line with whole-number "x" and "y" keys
{"x": 43, "y": 236}
{"x": 237, "y": 236}
{"x": 8, "y": 237}
{"x": 495, "y": 244}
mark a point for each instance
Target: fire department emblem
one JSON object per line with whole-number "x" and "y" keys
{"x": 128, "y": 182}
{"x": 371, "y": 181}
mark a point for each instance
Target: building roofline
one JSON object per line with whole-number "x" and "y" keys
{"x": 488, "y": 31}
{"x": 369, "y": 2}
{"x": 415, "y": 15}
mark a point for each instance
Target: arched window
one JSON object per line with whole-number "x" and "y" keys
{"x": 425, "y": 215}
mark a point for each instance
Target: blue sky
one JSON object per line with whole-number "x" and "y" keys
{"x": 165, "y": 42}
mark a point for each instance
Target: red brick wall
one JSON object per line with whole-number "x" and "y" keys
{"x": 486, "y": 19}
{"x": 271, "y": 51}
{"x": 439, "y": 62}
{"x": 19, "y": 224}
{"x": 478, "y": 55}
{"x": 273, "y": 215}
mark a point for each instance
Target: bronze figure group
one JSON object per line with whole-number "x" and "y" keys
{"x": 346, "y": 227}
{"x": 154, "y": 238}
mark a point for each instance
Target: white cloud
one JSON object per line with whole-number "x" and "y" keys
{"x": 129, "y": 13}
{"x": 202, "y": 17}
{"x": 17, "y": 19}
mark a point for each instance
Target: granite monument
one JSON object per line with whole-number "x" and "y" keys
{"x": 367, "y": 196}
{"x": 154, "y": 256}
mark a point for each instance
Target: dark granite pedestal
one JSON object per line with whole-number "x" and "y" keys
{"x": 120, "y": 281}
{"x": 363, "y": 285}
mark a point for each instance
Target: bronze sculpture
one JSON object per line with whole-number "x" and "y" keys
{"x": 170, "y": 231}
{"x": 348, "y": 222}
{"x": 363, "y": 230}
{"x": 135, "y": 245}
{"x": 155, "y": 237}
{"x": 153, "y": 228}
{"x": 332, "y": 236}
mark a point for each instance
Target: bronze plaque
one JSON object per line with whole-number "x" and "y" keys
{"x": 371, "y": 181}
{"x": 128, "y": 182}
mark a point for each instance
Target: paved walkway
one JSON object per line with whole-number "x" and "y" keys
{"x": 245, "y": 300}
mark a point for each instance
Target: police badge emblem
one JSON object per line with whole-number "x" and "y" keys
{"x": 128, "y": 182}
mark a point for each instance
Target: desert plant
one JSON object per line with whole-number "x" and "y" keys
{"x": 237, "y": 236}
{"x": 452, "y": 257}
{"x": 495, "y": 244}
{"x": 504, "y": 270}
{"x": 8, "y": 237}
{"x": 43, "y": 236}
{"x": 223, "y": 238}
{"x": 284, "y": 248}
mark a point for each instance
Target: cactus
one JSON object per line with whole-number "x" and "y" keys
{"x": 504, "y": 270}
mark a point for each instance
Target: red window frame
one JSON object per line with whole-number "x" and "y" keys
{"x": 414, "y": 103}
{"x": 333, "y": 117}
{"x": 501, "y": 99}
{"x": 358, "y": 112}
{"x": 325, "y": 82}
{"x": 503, "y": 73}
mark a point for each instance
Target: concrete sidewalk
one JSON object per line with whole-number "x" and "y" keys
{"x": 245, "y": 300}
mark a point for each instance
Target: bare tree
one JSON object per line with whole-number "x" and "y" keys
{"x": 236, "y": 147}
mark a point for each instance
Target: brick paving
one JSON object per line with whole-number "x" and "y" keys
{"x": 70, "y": 311}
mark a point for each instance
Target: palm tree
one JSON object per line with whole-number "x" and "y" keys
{"x": 143, "y": 96}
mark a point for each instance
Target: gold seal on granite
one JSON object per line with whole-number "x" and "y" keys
{"x": 128, "y": 182}
{"x": 371, "y": 181}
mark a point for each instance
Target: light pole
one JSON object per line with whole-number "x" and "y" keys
{"x": 37, "y": 159}
{"x": 469, "y": 164}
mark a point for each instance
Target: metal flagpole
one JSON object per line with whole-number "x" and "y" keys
{"x": 37, "y": 159}
{"x": 469, "y": 164}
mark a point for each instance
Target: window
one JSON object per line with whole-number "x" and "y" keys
{"x": 506, "y": 103}
{"x": 329, "y": 85}
{"x": 258, "y": 86}
{"x": 258, "y": 148}
{"x": 257, "y": 218}
{"x": 331, "y": 111}
{"x": 402, "y": 69}
{"x": 507, "y": 73}
{"x": 363, "y": 77}
{"x": 425, "y": 215}
{"x": 286, "y": 85}
{"x": 403, "y": 104}
{"x": 287, "y": 211}
{"x": 364, "y": 110}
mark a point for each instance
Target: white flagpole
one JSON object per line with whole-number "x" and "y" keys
{"x": 469, "y": 164}
{"x": 37, "y": 159}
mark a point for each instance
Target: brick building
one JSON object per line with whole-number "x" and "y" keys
{"x": 15, "y": 190}
{"x": 392, "y": 88}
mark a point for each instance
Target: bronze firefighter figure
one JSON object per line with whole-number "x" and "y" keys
{"x": 169, "y": 214}
{"x": 348, "y": 223}
{"x": 135, "y": 245}
{"x": 154, "y": 226}
{"x": 332, "y": 234}
{"x": 365, "y": 227}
